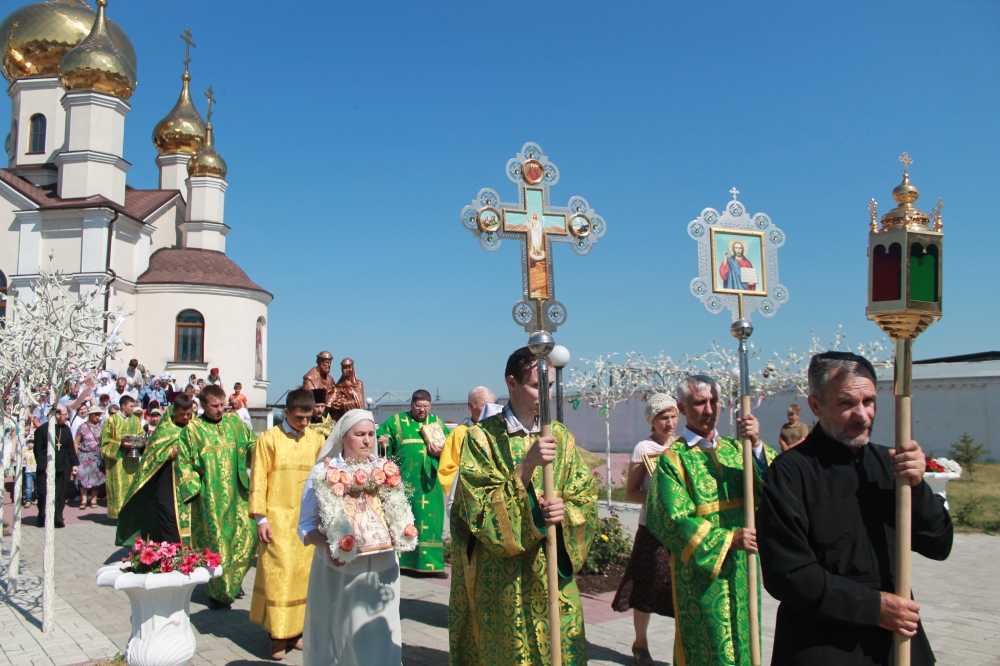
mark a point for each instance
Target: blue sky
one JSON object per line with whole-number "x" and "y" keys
{"x": 355, "y": 133}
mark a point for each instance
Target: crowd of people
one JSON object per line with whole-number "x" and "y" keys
{"x": 91, "y": 412}
{"x": 825, "y": 513}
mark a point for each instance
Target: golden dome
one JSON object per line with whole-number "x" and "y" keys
{"x": 97, "y": 63}
{"x": 207, "y": 162}
{"x": 183, "y": 130}
{"x": 35, "y": 37}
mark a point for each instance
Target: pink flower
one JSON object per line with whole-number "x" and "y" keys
{"x": 390, "y": 468}
{"x": 167, "y": 550}
{"x": 393, "y": 481}
{"x": 148, "y": 556}
{"x": 211, "y": 559}
{"x": 345, "y": 478}
{"x": 346, "y": 543}
{"x": 379, "y": 476}
{"x": 338, "y": 489}
{"x": 332, "y": 475}
{"x": 166, "y": 566}
{"x": 186, "y": 569}
{"x": 361, "y": 477}
{"x": 410, "y": 531}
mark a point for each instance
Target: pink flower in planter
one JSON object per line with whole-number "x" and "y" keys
{"x": 211, "y": 559}
{"x": 148, "y": 556}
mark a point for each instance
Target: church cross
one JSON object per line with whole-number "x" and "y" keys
{"x": 188, "y": 45}
{"x": 735, "y": 192}
{"x": 907, "y": 161}
{"x": 211, "y": 100}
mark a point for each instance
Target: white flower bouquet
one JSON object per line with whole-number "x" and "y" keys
{"x": 364, "y": 508}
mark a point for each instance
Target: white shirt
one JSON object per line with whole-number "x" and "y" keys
{"x": 646, "y": 447}
{"x": 514, "y": 426}
{"x": 309, "y": 519}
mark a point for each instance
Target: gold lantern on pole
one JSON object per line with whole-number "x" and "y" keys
{"x": 904, "y": 297}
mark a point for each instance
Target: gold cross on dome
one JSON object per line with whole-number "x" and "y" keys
{"x": 188, "y": 45}
{"x": 211, "y": 100}
{"x": 907, "y": 161}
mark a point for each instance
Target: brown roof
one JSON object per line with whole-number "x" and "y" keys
{"x": 194, "y": 266}
{"x": 139, "y": 204}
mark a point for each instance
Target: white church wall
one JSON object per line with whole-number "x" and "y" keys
{"x": 10, "y": 230}
{"x": 34, "y": 96}
{"x": 128, "y": 234}
{"x": 164, "y": 226}
{"x": 229, "y": 335}
{"x": 62, "y": 238}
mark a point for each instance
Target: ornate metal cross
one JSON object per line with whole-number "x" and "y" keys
{"x": 907, "y": 161}
{"x": 209, "y": 95}
{"x": 735, "y": 192}
{"x": 535, "y": 224}
{"x": 188, "y": 45}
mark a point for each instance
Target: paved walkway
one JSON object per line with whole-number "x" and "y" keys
{"x": 961, "y": 610}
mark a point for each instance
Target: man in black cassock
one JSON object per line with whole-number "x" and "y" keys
{"x": 66, "y": 464}
{"x": 826, "y": 529}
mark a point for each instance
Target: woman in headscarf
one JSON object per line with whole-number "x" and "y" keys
{"x": 90, "y": 476}
{"x": 352, "y": 609}
{"x": 646, "y": 587}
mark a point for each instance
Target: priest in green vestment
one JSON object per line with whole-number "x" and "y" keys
{"x": 401, "y": 439}
{"x": 150, "y": 507}
{"x": 695, "y": 508}
{"x": 120, "y": 470}
{"x": 498, "y": 612}
{"x": 212, "y": 479}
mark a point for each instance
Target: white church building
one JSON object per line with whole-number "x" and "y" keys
{"x": 64, "y": 194}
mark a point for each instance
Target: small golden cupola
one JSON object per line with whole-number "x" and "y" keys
{"x": 183, "y": 129}
{"x": 207, "y": 162}
{"x": 34, "y": 38}
{"x": 97, "y": 63}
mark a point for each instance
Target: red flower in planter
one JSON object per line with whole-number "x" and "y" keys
{"x": 148, "y": 556}
{"x": 211, "y": 559}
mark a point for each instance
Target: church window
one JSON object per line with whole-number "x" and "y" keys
{"x": 36, "y": 142}
{"x": 190, "y": 336}
{"x": 3, "y": 298}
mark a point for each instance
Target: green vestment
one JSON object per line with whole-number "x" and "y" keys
{"x": 138, "y": 514}
{"x": 498, "y": 613}
{"x": 211, "y": 477}
{"x": 419, "y": 472}
{"x": 694, "y": 507}
{"x": 119, "y": 469}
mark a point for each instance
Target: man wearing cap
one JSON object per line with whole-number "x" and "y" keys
{"x": 827, "y": 529}
{"x": 319, "y": 377}
{"x": 150, "y": 507}
{"x": 695, "y": 509}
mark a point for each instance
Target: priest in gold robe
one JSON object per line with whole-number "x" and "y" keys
{"x": 282, "y": 459}
{"x": 119, "y": 469}
{"x": 212, "y": 480}
{"x": 498, "y": 613}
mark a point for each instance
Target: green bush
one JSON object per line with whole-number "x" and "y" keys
{"x": 611, "y": 546}
{"x": 967, "y": 453}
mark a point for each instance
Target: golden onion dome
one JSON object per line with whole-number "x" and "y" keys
{"x": 207, "y": 162}
{"x": 183, "y": 129}
{"x": 97, "y": 63}
{"x": 35, "y": 37}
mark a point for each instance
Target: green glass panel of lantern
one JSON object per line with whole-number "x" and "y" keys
{"x": 923, "y": 274}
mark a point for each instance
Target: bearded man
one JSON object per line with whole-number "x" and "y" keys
{"x": 827, "y": 529}
{"x": 319, "y": 377}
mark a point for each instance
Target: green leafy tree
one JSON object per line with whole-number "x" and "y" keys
{"x": 967, "y": 453}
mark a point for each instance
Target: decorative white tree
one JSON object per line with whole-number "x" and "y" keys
{"x": 55, "y": 334}
{"x": 603, "y": 386}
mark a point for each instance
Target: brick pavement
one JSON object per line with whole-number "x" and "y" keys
{"x": 960, "y": 597}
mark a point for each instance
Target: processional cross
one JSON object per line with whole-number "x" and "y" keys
{"x": 536, "y": 224}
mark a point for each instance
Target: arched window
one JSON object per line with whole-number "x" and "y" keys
{"x": 3, "y": 297}
{"x": 259, "y": 349}
{"x": 190, "y": 336}
{"x": 36, "y": 141}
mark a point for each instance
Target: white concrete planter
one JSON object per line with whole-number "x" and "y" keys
{"x": 161, "y": 613}
{"x": 938, "y": 481}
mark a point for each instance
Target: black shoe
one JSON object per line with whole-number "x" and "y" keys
{"x": 60, "y": 525}
{"x": 240, "y": 594}
{"x": 215, "y": 604}
{"x": 41, "y": 521}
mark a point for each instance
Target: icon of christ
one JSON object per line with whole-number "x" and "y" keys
{"x": 732, "y": 269}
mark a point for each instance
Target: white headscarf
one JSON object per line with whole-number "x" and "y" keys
{"x": 334, "y": 445}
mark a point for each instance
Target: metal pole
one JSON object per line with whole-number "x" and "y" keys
{"x": 903, "y": 389}
{"x": 541, "y": 343}
{"x": 559, "y": 395}
{"x": 742, "y": 330}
